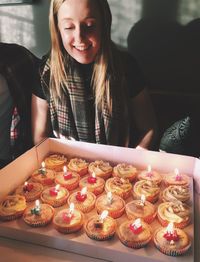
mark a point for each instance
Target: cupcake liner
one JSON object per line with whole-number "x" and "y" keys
{"x": 135, "y": 245}
{"x": 11, "y": 217}
{"x": 114, "y": 213}
{"x": 173, "y": 253}
{"x": 30, "y": 198}
{"x": 44, "y": 182}
{"x": 151, "y": 199}
{"x": 148, "y": 219}
{"x": 99, "y": 237}
{"x": 55, "y": 202}
{"x": 106, "y": 175}
{"x": 37, "y": 223}
{"x": 97, "y": 191}
{"x": 68, "y": 230}
{"x": 69, "y": 187}
{"x": 85, "y": 209}
{"x": 83, "y": 172}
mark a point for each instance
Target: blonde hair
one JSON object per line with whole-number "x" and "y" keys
{"x": 103, "y": 66}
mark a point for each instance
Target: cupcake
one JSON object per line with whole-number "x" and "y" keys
{"x": 171, "y": 243}
{"x": 38, "y": 215}
{"x": 135, "y": 234}
{"x": 114, "y": 204}
{"x": 147, "y": 188}
{"x": 150, "y": 175}
{"x": 141, "y": 209}
{"x": 176, "y": 178}
{"x": 79, "y": 166}
{"x": 55, "y": 196}
{"x": 119, "y": 186}
{"x": 12, "y": 207}
{"x": 83, "y": 200}
{"x": 176, "y": 212}
{"x": 100, "y": 228}
{"x": 67, "y": 221}
{"x": 125, "y": 171}
{"x": 67, "y": 179}
{"x": 175, "y": 193}
{"x": 43, "y": 176}
{"x": 30, "y": 190}
{"x": 100, "y": 169}
{"x": 55, "y": 162}
{"x": 93, "y": 184}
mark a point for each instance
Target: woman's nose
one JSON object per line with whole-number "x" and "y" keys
{"x": 79, "y": 34}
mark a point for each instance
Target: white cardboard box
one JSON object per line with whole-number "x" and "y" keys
{"x": 20, "y": 170}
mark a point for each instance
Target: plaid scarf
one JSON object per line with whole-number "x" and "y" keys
{"x": 72, "y": 116}
{"x": 14, "y": 129}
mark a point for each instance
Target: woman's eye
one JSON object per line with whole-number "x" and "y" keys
{"x": 90, "y": 25}
{"x": 68, "y": 27}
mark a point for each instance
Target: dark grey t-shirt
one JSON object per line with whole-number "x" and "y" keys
{"x": 6, "y": 107}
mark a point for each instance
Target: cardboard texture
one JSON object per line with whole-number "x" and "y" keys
{"x": 20, "y": 169}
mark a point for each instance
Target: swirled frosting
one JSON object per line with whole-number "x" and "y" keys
{"x": 54, "y": 161}
{"x": 147, "y": 188}
{"x": 77, "y": 164}
{"x": 176, "y": 193}
{"x": 125, "y": 171}
{"x": 174, "y": 212}
{"x": 99, "y": 167}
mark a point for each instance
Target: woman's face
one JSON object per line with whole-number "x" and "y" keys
{"x": 80, "y": 29}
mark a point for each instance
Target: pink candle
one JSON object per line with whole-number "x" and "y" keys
{"x": 136, "y": 227}
{"x": 27, "y": 187}
{"x": 92, "y": 179}
{"x": 67, "y": 216}
{"x": 178, "y": 176}
{"x": 81, "y": 195}
{"x": 170, "y": 233}
{"x": 54, "y": 190}
{"x": 149, "y": 172}
{"x": 67, "y": 175}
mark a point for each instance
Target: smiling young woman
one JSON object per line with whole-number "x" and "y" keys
{"x": 90, "y": 91}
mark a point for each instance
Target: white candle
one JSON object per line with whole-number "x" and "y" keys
{"x": 137, "y": 223}
{"x": 149, "y": 169}
{"x": 103, "y": 215}
{"x": 142, "y": 201}
{"x": 170, "y": 228}
{"x": 178, "y": 176}
{"x": 71, "y": 209}
{"x": 109, "y": 198}
{"x": 37, "y": 204}
{"x": 43, "y": 169}
{"x": 57, "y": 187}
{"x": 84, "y": 191}
{"x": 65, "y": 170}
